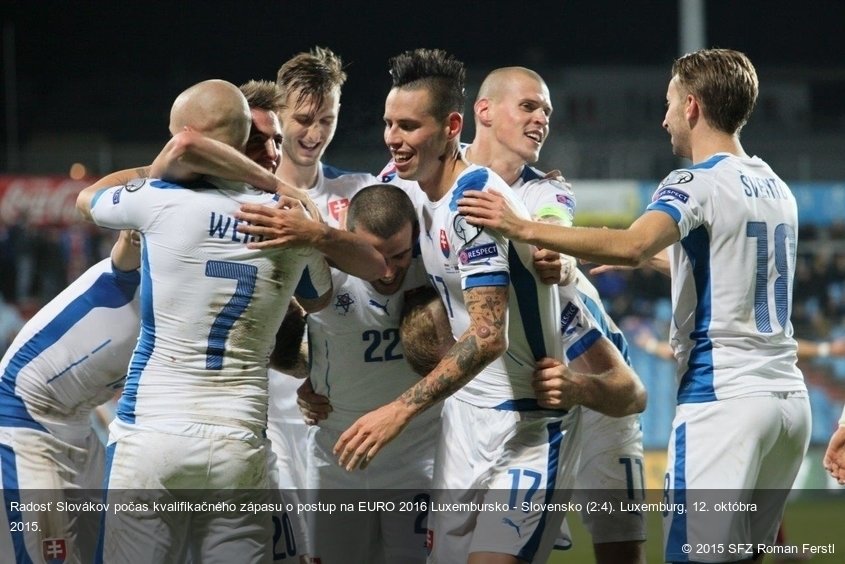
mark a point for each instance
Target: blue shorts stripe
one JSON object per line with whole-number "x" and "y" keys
{"x": 12, "y": 493}
{"x": 678, "y": 529}
{"x": 555, "y": 435}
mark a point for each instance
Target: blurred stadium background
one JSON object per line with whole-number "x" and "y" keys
{"x": 87, "y": 88}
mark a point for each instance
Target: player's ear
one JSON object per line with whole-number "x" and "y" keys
{"x": 692, "y": 110}
{"x": 482, "y": 111}
{"x": 454, "y": 124}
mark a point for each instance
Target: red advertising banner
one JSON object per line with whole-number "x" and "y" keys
{"x": 43, "y": 200}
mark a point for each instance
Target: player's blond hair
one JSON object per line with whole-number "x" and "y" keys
{"x": 724, "y": 82}
{"x": 313, "y": 75}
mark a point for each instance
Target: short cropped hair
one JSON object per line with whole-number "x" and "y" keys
{"x": 263, "y": 95}
{"x": 724, "y": 82}
{"x": 424, "y": 330}
{"x": 315, "y": 74}
{"x": 438, "y": 71}
{"x": 381, "y": 209}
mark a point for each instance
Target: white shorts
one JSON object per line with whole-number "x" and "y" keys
{"x": 288, "y": 436}
{"x": 193, "y": 464}
{"x": 39, "y": 469}
{"x": 731, "y": 465}
{"x": 611, "y": 470}
{"x": 400, "y": 475}
{"x": 513, "y": 471}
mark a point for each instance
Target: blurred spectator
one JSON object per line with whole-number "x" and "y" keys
{"x": 10, "y": 323}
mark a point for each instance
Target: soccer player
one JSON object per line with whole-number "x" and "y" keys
{"x": 730, "y": 224}
{"x": 494, "y": 437}
{"x": 512, "y": 114}
{"x": 310, "y": 86}
{"x": 357, "y": 363}
{"x": 193, "y": 412}
{"x": 69, "y": 358}
{"x": 285, "y": 427}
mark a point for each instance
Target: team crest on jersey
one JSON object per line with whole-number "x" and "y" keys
{"x": 389, "y": 172}
{"x": 444, "y": 243}
{"x": 478, "y": 254}
{"x": 337, "y": 207}
{"x": 677, "y": 177}
{"x": 54, "y": 550}
{"x": 429, "y": 541}
{"x": 343, "y": 303}
{"x": 464, "y": 230}
{"x": 567, "y": 316}
{"x": 115, "y": 198}
{"x": 670, "y": 194}
{"x": 134, "y": 185}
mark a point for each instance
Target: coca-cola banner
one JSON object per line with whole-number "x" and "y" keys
{"x": 41, "y": 200}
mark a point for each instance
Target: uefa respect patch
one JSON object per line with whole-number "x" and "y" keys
{"x": 479, "y": 253}
{"x": 567, "y": 316}
{"x": 671, "y": 193}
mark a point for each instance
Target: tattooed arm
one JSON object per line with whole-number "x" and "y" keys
{"x": 484, "y": 341}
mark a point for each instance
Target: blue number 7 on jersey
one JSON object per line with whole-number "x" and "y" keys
{"x": 246, "y": 275}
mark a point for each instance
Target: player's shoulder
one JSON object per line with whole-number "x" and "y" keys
{"x": 338, "y": 175}
{"x": 699, "y": 173}
{"x": 554, "y": 184}
{"x": 530, "y": 174}
{"x": 681, "y": 183}
{"x": 477, "y": 177}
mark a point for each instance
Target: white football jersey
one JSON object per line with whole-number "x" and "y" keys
{"x": 210, "y": 307}
{"x": 72, "y": 355}
{"x": 459, "y": 256}
{"x": 334, "y": 189}
{"x": 732, "y": 274}
{"x": 356, "y": 355}
{"x": 331, "y": 194}
{"x": 545, "y": 198}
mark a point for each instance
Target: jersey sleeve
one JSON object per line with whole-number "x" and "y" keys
{"x": 681, "y": 195}
{"x": 133, "y": 205}
{"x": 578, "y": 326}
{"x": 316, "y": 279}
{"x": 482, "y": 253}
{"x": 549, "y": 199}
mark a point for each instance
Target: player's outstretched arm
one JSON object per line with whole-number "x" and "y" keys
{"x": 651, "y": 233}
{"x": 86, "y": 198}
{"x": 599, "y": 379}
{"x": 484, "y": 340}
{"x": 281, "y": 227}
{"x": 834, "y": 457}
{"x": 811, "y": 349}
{"x": 659, "y": 262}
{"x": 189, "y": 155}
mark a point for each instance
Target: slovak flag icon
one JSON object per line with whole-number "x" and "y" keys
{"x": 336, "y": 207}
{"x": 444, "y": 243}
{"x": 54, "y": 550}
